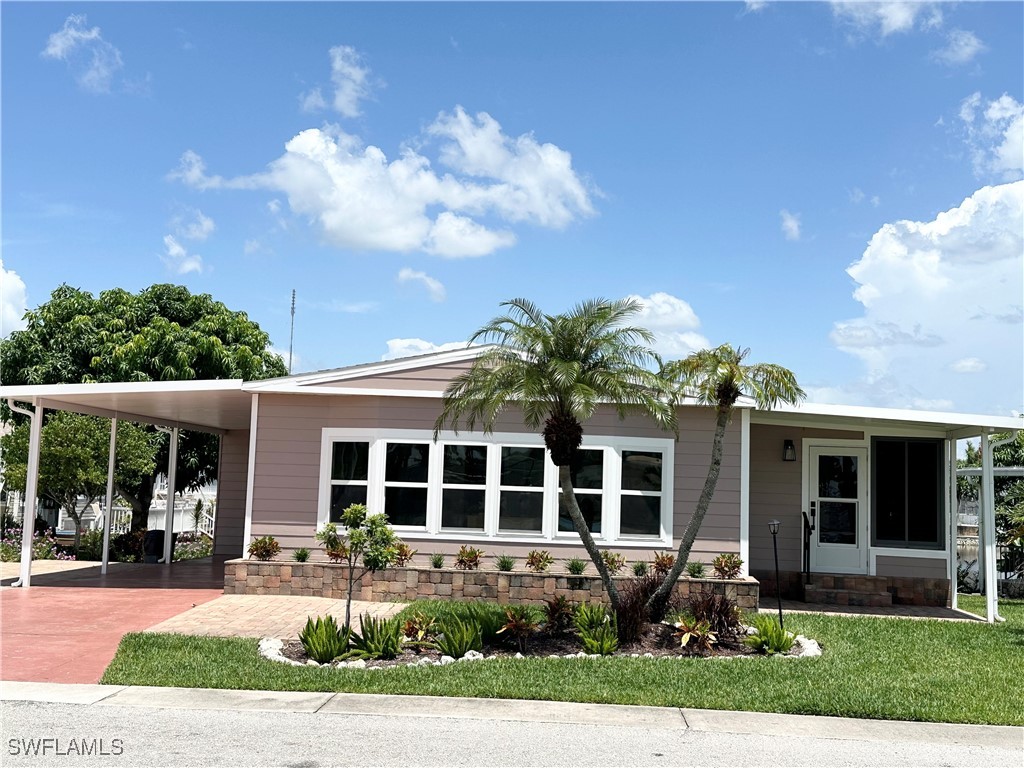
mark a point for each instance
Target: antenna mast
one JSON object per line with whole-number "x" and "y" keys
{"x": 291, "y": 335}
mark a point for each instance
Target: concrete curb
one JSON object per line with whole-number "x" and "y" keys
{"x": 701, "y": 720}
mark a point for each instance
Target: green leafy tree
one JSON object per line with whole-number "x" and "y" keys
{"x": 163, "y": 333}
{"x": 73, "y": 459}
{"x": 368, "y": 543}
{"x": 557, "y": 369}
{"x": 1008, "y": 493}
{"x": 718, "y": 378}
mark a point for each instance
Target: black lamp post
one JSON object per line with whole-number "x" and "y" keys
{"x": 773, "y": 526}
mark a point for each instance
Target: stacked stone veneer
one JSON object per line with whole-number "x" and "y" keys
{"x": 254, "y": 577}
{"x": 876, "y": 591}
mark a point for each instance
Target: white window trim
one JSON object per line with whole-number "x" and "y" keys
{"x": 612, "y": 445}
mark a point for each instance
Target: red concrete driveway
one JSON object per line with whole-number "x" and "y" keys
{"x": 68, "y": 634}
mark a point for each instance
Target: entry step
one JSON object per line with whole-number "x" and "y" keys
{"x": 825, "y": 596}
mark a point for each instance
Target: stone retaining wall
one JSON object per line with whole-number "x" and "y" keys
{"x": 255, "y": 577}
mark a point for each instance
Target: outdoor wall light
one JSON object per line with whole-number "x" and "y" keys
{"x": 788, "y": 450}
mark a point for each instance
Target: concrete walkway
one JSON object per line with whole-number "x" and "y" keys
{"x": 265, "y": 615}
{"x": 658, "y": 718}
{"x": 770, "y": 605}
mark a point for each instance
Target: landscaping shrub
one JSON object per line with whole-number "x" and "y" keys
{"x": 695, "y": 635}
{"x": 663, "y": 562}
{"x": 633, "y": 616}
{"x": 590, "y": 616}
{"x": 403, "y": 554}
{"x": 558, "y": 613}
{"x": 539, "y": 560}
{"x": 457, "y": 637}
{"x": 519, "y": 624}
{"x": 696, "y": 570}
{"x": 727, "y": 565}
{"x": 768, "y": 637}
{"x": 437, "y": 560}
{"x": 576, "y": 566}
{"x": 90, "y": 545}
{"x": 505, "y": 562}
{"x": 323, "y": 640}
{"x": 264, "y": 548}
{"x": 602, "y": 640}
{"x": 420, "y": 631}
{"x": 377, "y": 638}
{"x": 300, "y": 555}
{"x": 192, "y": 546}
{"x": 128, "y": 547}
{"x": 44, "y": 547}
{"x": 639, "y": 568}
{"x": 721, "y": 613}
{"x": 613, "y": 561}
{"x": 468, "y": 558}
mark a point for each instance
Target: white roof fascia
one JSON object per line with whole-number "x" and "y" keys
{"x": 373, "y": 369}
{"x": 867, "y": 413}
{"x": 291, "y": 388}
{"x": 30, "y": 392}
{"x": 52, "y": 404}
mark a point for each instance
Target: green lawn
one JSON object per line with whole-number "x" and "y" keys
{"x": 876, "y": 668}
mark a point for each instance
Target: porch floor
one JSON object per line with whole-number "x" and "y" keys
{"x": 771, "y": 605}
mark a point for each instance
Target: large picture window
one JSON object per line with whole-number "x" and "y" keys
{"x": 907, "y": 493}
{"x": 500, "y": 486}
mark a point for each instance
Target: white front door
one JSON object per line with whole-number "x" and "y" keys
{"x": 837, "y": 502}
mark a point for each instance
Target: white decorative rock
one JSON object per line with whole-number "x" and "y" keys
{"x": 446, "y": 660}
{"x": 518, "y": 656}
{"x": 648, "y": 656}
{"x": 270, "y": 648}
{"x": 472, "y": 656}
{"x": 593, "y": 655}
{"x": 634, "y": 655}
{"x": 357, "y": 664}
{"x": 808, "y": 648}
{"x": 311, "y": 663}
{"x": 554, "y": 656}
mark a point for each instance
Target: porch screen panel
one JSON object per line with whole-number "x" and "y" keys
{"x": 907, "y": 493}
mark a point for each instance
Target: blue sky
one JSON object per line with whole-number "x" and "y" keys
{"x": 837, "y": 186}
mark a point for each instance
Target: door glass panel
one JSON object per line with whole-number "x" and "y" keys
{"x": 837, "y": 477}
{"x": 837, "y": 522}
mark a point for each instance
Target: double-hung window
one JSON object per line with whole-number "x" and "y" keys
{"x": 464, "y": 487}
{"x": 350, "y": 462}
{"x": 521, "y": 491}
{"x": 587, "y": 475}
{"x": 406, "y": 476}
{"x": 640, "y": 494}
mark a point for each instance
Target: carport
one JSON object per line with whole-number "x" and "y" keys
{"x": 219, "y": 407}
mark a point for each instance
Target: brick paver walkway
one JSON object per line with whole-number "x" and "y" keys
{"x": 265, "y": 615}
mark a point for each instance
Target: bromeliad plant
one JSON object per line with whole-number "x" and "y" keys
{"x": 576, "y": 566}
{"x": 768, "y": 636}
{"x": 457, "y": 637}
{"x": 696, "y": 570}
{"x": 368, "y": 544}
{"x": 505, "y": 562}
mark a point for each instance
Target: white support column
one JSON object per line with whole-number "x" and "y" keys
{"x": 952, "y": 518}
{"x": 988, "y": 529}
{"x": 111, "y": 461}
{"x": 31, "y": 488}
{"x": 172, "y": 472}
{"x": 250, "y": 474}
{"x": 745, "y": 490}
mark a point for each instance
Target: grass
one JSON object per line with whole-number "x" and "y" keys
{"x": 881, "y": 668}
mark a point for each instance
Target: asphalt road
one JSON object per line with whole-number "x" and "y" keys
{"x": 140, "y": 735}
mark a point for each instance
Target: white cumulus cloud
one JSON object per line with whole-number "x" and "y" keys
{"x": 887, "y": 18}
{"x": 351, "y": 80}
{"x": 177, "y": 258}
{"x": 940, "y": 297}
{"x": 360, "y": 200}
{"x": 994, "y": 132}
{"x": 434, "y": 287}
{"x": 198, "y": 227}
{"x": 961, "y": 47}
{"x": 92, "y": 60}
{"x": 13, "y": 301}
{"x": 672, "y": 321}
{"x": 790, "y": 224}
{"x": 409, "y": 347}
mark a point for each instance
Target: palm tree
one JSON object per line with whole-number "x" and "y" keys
{"x": 718, "y": 378}
{"x": 558, "y": 369}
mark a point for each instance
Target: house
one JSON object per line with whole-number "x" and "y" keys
{"x": 865, "y": 497}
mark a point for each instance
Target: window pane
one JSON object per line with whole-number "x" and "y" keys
{"x": 465, "y": 464}
{"x": 406, "y": 462}
{"x": 349, "y": 461}
{"x": 523, "y": 467}
{"x": 640, "y": 516}
{"x": 344, "y": 495}
{"x": 521, "y": 511}
{"x": 462, "y": 509}
{"x": 641, "y": 471}
{"x": 406, "y": 506}
{"x": 837, "y": 477}
{"x": 587, "y": 469}
{"x": 590, "y": 506}
{"x": 890, "y": 490}
{"x": 837, "y": 522}
{"x": 923, "y": 468}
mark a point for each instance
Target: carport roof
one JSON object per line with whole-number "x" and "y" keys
{"x": 211, "y": 406}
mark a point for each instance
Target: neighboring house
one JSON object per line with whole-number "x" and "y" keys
{"x": 876, "y": 485}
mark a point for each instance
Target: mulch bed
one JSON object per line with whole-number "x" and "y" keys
{"x": 657, "y": 641}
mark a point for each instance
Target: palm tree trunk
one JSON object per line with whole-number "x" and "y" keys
{"x": 659, "y": 600}
{"x": 569, "y": 500}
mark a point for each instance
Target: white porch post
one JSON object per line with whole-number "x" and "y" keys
{"x": 988, "y": 530}
{"x": 745, "y": 490}
{"x": 31, "y": 485}
{"x": 172, "y": 471}
{"x": 952, "y": 519}
{"x": 111, "y": 460}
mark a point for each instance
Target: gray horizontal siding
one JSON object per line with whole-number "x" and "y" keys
{"x": 232, "y": 478}
{"x": 431, "y": 378}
